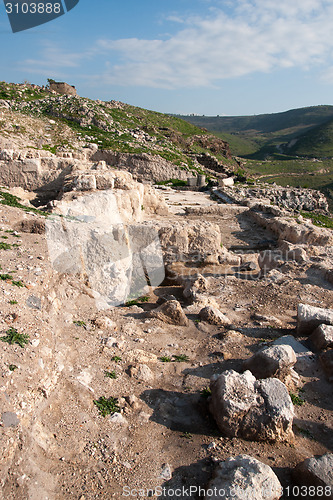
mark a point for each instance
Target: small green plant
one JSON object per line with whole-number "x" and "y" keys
{"x": 111, "y": 374}
{"x": 206, "y": 392}
{"x": 135, "y": 302}
{"x": 4, "y": 237}
{"x": 131, "y": 303}
{"x": 5, "y": 246}
{"x": 180, "y": 357}
{"x": 143, "y": 299}
{"x": 305, "y": 432}
{"x": 107, "y": 406}
{"x": 79, "y": 323}
{"x": 12, "y": 368}
{"x": 296, "y": 400}
{"x": 116, "y": 359}
{"x": 20, "y": 284}
{"x": 165, "y": 359}
{"x": 14, "y": 337}
{"x": 13, "y": 302}
{"x": 186, "y": 435}
{"x": 5, "y": 277}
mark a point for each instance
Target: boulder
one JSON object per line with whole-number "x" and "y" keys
{"x": 244, "y": 478}
{"x": 305, "y": 358}
{"x": 170, "y": 312}
{"x": 214, "y": 316}
{"x": 275, "y": 360}
{"x": 310, "y": 317}
{"x": 322, "y": 337}
{"x": 316, "y": 471}
{"x": 258, "y": 410}
{"x": 141, "y": 372}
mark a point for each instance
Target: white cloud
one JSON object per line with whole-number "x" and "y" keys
{"x": 261, "y": 36}
{"x": 257, "y": 36}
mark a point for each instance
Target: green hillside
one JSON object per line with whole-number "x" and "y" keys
{"x": 262, "y": 136}
{"x": 116, "y": 126}
{"x": 318, "y": 142}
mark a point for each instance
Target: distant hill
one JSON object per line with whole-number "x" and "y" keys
{"x": 317, "y": 142}
{"x": 261, "y": 135}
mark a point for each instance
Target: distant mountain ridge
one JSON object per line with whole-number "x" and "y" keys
{"x": 276, "y": 129}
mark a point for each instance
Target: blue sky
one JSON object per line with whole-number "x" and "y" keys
{"x": 237, "y": 57}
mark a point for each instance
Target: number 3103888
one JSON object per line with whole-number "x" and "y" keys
{"x": 33, "y": 8}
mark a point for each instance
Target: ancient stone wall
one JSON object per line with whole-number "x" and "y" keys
{"x": 63, "y": 88}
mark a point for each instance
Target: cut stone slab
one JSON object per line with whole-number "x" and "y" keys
{"x": 275, "y": 360}
{"x": 244, "y": 478}
{"x": 305, "y": 358}
{"x": 258, "y": 410}
{"x": 310, "y": 317}
{"x": 214, "y": 316}
{"x": 322, "y": 337}
{"x": 316, "y": 471}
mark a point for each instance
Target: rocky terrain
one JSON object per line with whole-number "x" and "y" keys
{"x": 156, "y": 342}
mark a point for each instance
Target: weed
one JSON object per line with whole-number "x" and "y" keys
{"x": 20, "y": 284}
{"x": 13, "y": 201}
{"x": 165, "y": 359}
{"x": 206, "y": 392}
{"x": 79, "y": 323}
{"x": 305, "y": 432}
{"x": 13, "y": 302}
{"x": 135, "y": 302}
{"x": 296, "y": 400}
{"x": 12, "y": 368}
{"x": 186, "y": 435}
{"x": 5, "y": 246}
{"x": 13, "y": 337}
{"x": 131, "y": 303}
{"x": 180, "y": 357}
{"x": 4, "y": 237}
{"x": 116, "y": 358}
{"x": 107, "y": 406}
{"x": 5, "y": 277}
{"x": 144, "y": 299}
{"x": 111, "y": 374}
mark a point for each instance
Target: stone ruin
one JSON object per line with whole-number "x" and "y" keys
{"x": 63, "y": 88}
